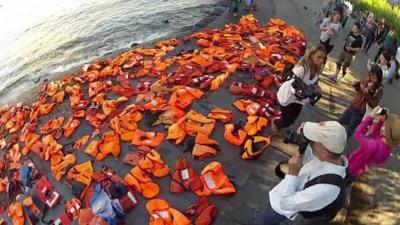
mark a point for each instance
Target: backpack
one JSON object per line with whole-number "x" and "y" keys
{"x": 329, "y": 212}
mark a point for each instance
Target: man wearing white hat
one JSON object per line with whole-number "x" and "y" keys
{"x": 314, "y": 186}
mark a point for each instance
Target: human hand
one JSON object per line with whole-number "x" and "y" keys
{"x": 294, "y": 165}
{"x": 300, "y": 129}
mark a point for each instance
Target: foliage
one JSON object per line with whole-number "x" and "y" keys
{"x": 381, "y": 9}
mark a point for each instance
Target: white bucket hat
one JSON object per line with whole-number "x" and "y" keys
{"x": 331, "y": 134}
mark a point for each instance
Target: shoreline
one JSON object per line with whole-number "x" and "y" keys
{"x": 26, "y": 88}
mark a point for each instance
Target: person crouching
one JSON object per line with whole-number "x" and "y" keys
{"x": 314, "y": 185}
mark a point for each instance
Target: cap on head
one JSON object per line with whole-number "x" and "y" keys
{"x": 330, "y": 134}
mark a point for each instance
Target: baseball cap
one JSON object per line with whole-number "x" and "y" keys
{"x": 330, "y": 134}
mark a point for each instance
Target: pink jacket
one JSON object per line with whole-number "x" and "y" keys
{"x": 371, "y": 150}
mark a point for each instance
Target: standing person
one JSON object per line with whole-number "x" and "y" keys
{"x": 250, "y": 5}
{"x": 314, "y": 185}
{"x": 353, "y": 44}
{"x": 234, "y": 7}
{"x": 327, "y": 7}
{"x": 338, "y": 3}
{"x": 308, "y": 70}
{"x": 389, "y": 44}
{"x": 367, "y": 15}
{"x": 368, "y": 92}
{"x": 348, "y": 10}
{"x": 388, "y": 65}
{"x": 376, "y": 147}
{"x": 329, "y": 27}
{"x": 370, "y": 35}
{"x": 382, "y": 31}
{"x": 397, "y": 57}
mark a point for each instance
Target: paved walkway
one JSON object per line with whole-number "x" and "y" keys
{"x": 375, "y": 197}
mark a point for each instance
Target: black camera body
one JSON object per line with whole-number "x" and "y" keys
{"x": 300, "y": 140}
{"x": 304, "y": 91}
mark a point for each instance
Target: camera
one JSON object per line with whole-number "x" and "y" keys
{"x": 382, "y": 111}
{"x": 304, "y": 91}
{"x": 300, "y": 140}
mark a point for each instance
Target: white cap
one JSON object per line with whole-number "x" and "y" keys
{"x": 330, "y": 134}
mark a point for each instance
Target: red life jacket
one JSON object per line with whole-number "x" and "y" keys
{"x": 184, "y": 177}
{"x": 202, "y": 212}
{"x": 47, "y": 193}
{"x": 62, "y": 220}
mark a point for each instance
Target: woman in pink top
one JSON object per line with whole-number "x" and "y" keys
{"x": 376, "y": 147}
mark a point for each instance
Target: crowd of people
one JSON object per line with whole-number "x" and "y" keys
{"x": 314, "y": 186}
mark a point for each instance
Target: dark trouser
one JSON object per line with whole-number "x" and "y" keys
{"x": 368, "y": 42}
{"x": 344, "y": 60}
{"x": 351, "y": 118}
{"x": 328, "y": 48}
{"x": 344, "y": 21}
{"x": 289, "y": 115}
{"x": 380, "y": 50}
{"x": 267, "y": 216}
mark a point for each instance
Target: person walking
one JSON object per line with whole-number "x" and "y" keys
{"x": 353, "y": 44}
{"x": 376, "y": 147}
{"x": 368, "y": 92}
{"x": 370, "y": 36}
{"x": 329, "y": 28}
{"x": 326, "y": 9}
{"x": 308, "y": 69}
{"x": 389, "y": 44}
{"x": 314, "y": 185}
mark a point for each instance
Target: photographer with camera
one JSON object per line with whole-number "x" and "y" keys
{"x": 374, "y": 148}
{"x": 300, "y": 88}
{"x": 314, "y": 185}
{"x": 368, "y": 93}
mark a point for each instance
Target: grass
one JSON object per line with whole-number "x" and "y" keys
{"x": 381, "y": 9}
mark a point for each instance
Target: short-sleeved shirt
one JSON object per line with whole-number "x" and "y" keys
{"x": 354, "y": 41}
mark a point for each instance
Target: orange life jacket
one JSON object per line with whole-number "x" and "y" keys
{"x": 82, "y": 173}
{"x": 16, "y": 212}
{"x": 222, "y": 115}
{"x": 110, "y": 144}
{"x": 81, "y": 142}
{"x": 34, "y": 209}
{"x": 151, "y": 139}
{"x": 88, "y": 218}
{"x": 142, "y": 183}
{"x": 215, "y": 181}
{"x": 184, "y": 177}
{"x": 152, "y": 163}
{"x": 255, "y": 146}
{"x": 233, "y": 135}
{"x": 201, "y": 212}
{"x": 255, "y": 124}
{"x": 183, "y": 96}
{"x": 248, "y": 106}
{"x": 58, "y": 169}
{"x": 52, "y": 125}
{"x": 162, "y": 214}
{"x": 204, "y": 147}
{"x": 70, "y": 127}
